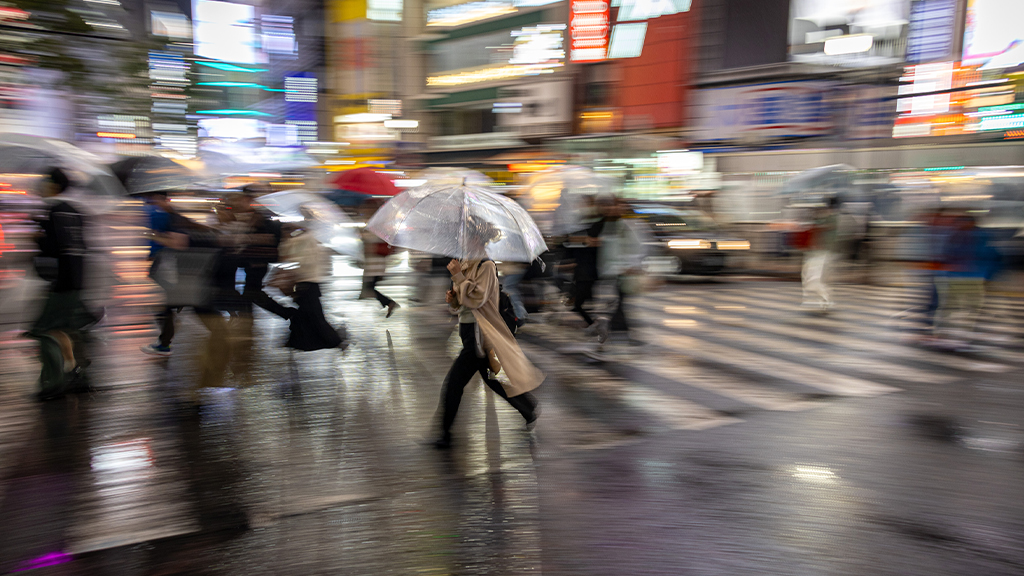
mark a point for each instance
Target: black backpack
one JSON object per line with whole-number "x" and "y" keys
{"x": 507, "y": 311}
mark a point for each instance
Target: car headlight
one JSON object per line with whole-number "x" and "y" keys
{"x": 689, "y": 244}
{"x": 733, "y": 245}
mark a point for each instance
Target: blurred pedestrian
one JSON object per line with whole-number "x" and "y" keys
{"x": 819, "y": 258}
{"x": 303, "y": 268}
{"x": 167, "y": 228}
{"x": 375, "y": 253}
{"x": 969, "y": 261}
{"x": 61, "y": 325}
{"x": 619, "y": 257}
{"x": 488, "y": 346}
{"x": 258, "y": 236}
{"x": 583, "y": 250}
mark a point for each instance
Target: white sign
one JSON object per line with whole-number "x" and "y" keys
{"x": 225, "y": 31}
{"x": 994, "y": 34}
{"x": 536, "y": 103}
{"x": 631, "y": 10}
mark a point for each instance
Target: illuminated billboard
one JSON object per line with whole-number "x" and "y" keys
{"x": 950, "y": 98}
{"x": 848, "y": 32}
{"x": 588, "y": 30}
{"x": 993, "y": 34}
{"x": 226, "y": 31}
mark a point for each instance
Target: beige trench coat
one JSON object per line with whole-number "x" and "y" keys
{"x": 476, "y": 288}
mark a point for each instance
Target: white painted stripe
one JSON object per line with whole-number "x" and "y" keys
{"x": 892, "y": 350}
{"x": 872, "y": 366}
{"x": 758, "y": 396}
{"x": 672, "y": 412}
{"x": 824, "y": 380}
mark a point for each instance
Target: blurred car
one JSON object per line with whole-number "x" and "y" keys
{"x": 686, "y": 242}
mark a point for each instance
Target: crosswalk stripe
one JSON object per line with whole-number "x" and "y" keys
{"x": 768, "y": 324}
{"x": 837, "y": 384}
{"x": 681, "y": 372}
{"x": 990, "y": 323}
{"x": 758, "y": 396}
{"x": 872, "y": 366}
{"x": 675, "y": 413}
{"x": 865, "y": 325}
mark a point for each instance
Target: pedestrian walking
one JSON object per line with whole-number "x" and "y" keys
{"x": 584, "y": 250}
{"x": 375, "y": 253}
{"x": 167, "y": 229}
{"x": 819, "y": 258}
{"x": 303, "y": 269}
{"x": 487, "y": 344}
{"x": 619, "y": 256}
{"x": 60, "y": 327}
{"x": 969, "y": 261}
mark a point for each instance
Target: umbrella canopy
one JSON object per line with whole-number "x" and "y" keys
{"x": 96, "y": 188}
{"x": 561, "y": 198}
{"x": 452, "y": 176}
{"x": 143, "y": 174}
{"x": 465, "y": 222}
{"x": 329, "y": 225}
{"x": 366, "y": 181}
{"x": 831, "y": 178}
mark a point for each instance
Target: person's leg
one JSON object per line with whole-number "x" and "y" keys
{"x": 384, "y": 300}
{"x": 253, "y": 292}
{"x": 584, "y": 292}
{"x": 618, "y": 321}
{"x": 812, "y": 278}
{"x": 511, "y": 286}
{"x": 461, "y": 372}
{"x": 524, "y": 403}
{"x": 974, "y": 299}
{"x": 310, "y": 328}
{"x": 165, "y": 318}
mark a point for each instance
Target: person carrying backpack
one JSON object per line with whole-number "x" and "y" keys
{"x": 488, "y": 344}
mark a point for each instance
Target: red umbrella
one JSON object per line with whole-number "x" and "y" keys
{"x": 366, "y": 181}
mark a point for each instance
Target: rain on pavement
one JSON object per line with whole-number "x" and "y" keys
{"x": 733, "y": 437}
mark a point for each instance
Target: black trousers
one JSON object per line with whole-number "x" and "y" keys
{"x": 618, "y": 321}
{"x": 372, "y": 285}
{"x": 309, "y": 328}
{"x": 583, "y": 293}
{"x": 165, "y": 319}
{"x": 253, "y": 292}
{"x": 465, "y": 366}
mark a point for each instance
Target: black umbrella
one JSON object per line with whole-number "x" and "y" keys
{"x": 143, "y": 174}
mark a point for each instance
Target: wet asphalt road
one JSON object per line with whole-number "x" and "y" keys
{"x": 740, "y": 436}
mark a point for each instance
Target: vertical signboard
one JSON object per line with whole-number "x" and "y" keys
{"x": 588, "y": 30}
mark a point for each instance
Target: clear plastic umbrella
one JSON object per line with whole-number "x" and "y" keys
{"x": 330, "y": 226}
{"x": 560, "y": 199}
{"x": 97, "y": 190}
{"x": 460, "y": 221}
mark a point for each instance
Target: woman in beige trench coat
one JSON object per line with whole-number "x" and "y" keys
{"x": 474, "y": 298}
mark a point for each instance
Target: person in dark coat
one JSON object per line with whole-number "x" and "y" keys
{"x": 61, "y": 325}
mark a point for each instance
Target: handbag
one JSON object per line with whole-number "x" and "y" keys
{"x": 185, "y": 275}
{"x": 284, "y": 280}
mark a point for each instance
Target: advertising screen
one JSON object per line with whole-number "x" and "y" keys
{"x": 994, "y": 34}
{"x": 226, "y": 31}
{"x": 588, "y": 30}
{"x": 848, "y": 32}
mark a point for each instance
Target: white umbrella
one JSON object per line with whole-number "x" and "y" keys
{"x": 97, "y": 190}
{"x": 460, "y": 221}
{"x": 559, "y": 198}
{"x": 329, "y": 225}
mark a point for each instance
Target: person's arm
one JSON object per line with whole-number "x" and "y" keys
{"x": 474, "y": 291}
